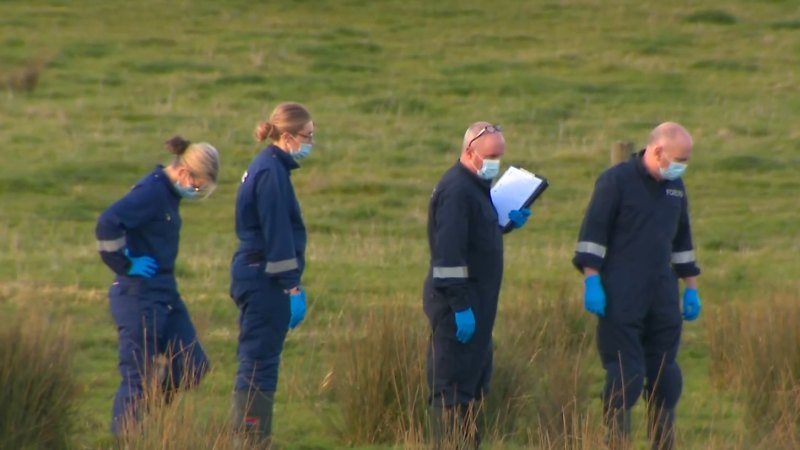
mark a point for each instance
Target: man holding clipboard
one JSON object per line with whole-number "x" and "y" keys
{"x": 465, "y": 236}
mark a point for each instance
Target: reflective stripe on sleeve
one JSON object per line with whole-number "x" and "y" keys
{"x": 111, "y": 246}
{"x": 450, "y": 272}
{"x": 591, "y": 248}
{"x": 683, "y": 257}
{"x": 281, "y": 266}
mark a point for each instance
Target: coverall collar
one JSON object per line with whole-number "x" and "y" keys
{"x": 485, "y": 185}
{"x": 284, "y": 157}
{"x": 160, "y": 174}
{"x": 638, "y": 162}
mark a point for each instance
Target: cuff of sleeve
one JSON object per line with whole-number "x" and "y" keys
{"x": 686, "y": 270}
{"x": 457, "y": 298}
{"x": 116, "y": 261}
{"x": 288, "y": 282}
{"x": 583, "y": 260}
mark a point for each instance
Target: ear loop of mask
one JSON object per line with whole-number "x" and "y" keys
{"x": 471, "y": 160}
{"x": 294, "y": 138}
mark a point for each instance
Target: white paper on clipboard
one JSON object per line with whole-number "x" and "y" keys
{"x": 513, "y": 191}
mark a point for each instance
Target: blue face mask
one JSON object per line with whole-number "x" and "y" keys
{"x": 490, "y": 169}
{"x": 674, "y": 171}
{"x": 302, "y": 152}
{"x": 188, "y": 193}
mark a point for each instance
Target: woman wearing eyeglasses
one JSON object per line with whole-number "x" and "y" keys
{"x": 137, "y": 238}
{"x": 268, "y": 265}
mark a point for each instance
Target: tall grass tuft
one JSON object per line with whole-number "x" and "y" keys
{"x": 541, "y": 384}
{"x": 179, "y": 425}
{"x": 377, "y": 377}
{"x": 38, "y": 390}
{"x": 26, "y": 78}
{"x": 755, "y": 350}
{"x": 176, "y": 420}
{"x": 540, "y": 390}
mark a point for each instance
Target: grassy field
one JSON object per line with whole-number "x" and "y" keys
{"x": 392, "y": 86}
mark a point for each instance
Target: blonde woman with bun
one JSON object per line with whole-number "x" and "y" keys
{"x": 268, "y": 266}
{"x": 137, "y": 238}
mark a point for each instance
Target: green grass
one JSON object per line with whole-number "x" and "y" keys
{"x": 392, "y": 85}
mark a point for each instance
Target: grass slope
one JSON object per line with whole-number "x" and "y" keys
{"x": 392, "y": 86}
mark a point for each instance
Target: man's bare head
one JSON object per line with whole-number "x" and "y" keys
{"x": 669, "y": 143}
{"x": 671, "y": 136}
{"x": 482, "y": 141}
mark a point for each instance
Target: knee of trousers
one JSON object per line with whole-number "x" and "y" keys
{"x": 457, "y": 375}
{"x": 664, "y": 388}
{"x": 135, "y": 371}
{"x": 261, "y": 374}
{"x": 624, "y": 385}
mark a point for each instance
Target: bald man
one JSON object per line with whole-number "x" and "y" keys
{"x": 634, "y": 244}
{"x": 463, "y": 284}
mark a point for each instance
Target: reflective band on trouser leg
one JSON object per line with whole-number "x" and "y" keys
{"x": 683, "y": 257}
{"x": 281, "y": 266}
{"x": 111, "y": 246}
{"x": 450, "y": 272}
{"x": 591, "y": 248}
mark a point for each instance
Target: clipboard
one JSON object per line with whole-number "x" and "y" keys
{"x": 516, "y": 189}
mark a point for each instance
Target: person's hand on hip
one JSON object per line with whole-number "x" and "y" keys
{"x": 141, "y": 266}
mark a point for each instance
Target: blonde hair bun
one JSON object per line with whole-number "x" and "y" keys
{"x": 287, "y": 117}
{"x": 264, "y": 131}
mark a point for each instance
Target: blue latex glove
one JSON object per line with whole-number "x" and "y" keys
{"x": 519, "y": 217}
{"x": 141, "y": 266}
{"x": 465, "y": 325}
{"x": 297, "y": 306}
{"x": 594, "y": 297}
{"x": 691, "y": 304}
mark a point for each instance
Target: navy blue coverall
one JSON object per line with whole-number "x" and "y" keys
{"x": 466, "y": 270}
{"x": 636, "y": 233}
{"x": 150, "y": 315}
{"x": 269, "y": 261}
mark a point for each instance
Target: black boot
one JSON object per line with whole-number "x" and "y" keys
{"x": 618, "y": 428}
{"x": 467, "y": 426}
{"x": 662, "y": 428}
{"x": 252, "y": 414}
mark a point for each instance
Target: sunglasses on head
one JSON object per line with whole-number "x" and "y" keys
{"x": 488, "y": 129}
